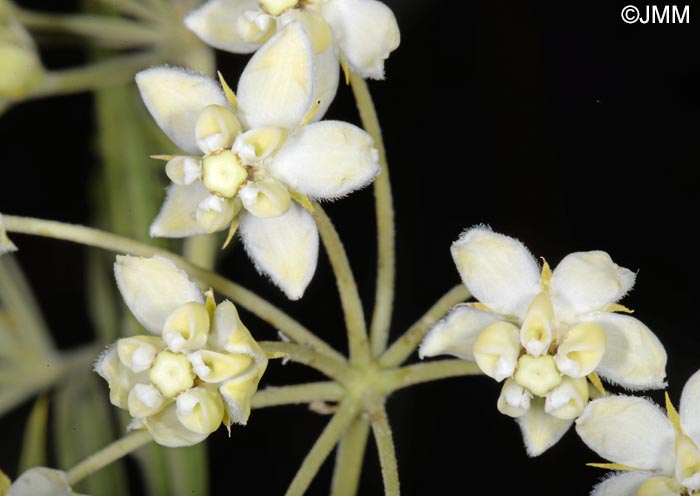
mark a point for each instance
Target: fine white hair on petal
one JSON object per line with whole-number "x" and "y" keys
{"x": 689, "y": 409}
{"x": 276, "y": 87}
{"x": 628, "y": 430}
{"x": 153, "y": 288}
{"x": 540, "y": 430}
{"x": 498, "y": 270}
{"x": 284, "y": 248}
{"x": 589, "y": 281}
{"x": 178, "y": 215}
{"x": 455, "y": 334}
{"x": 621, "y": 483}
{"x": 175, "y": 97}
{"x": 634, "y": 357}
{"x": 327, "y": 160}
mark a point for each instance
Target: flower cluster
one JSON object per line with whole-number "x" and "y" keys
{"x": 545, "y": 334}
{"x": 200, "y": 369}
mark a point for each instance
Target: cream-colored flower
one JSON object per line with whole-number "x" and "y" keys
{"x": 545, "y": 333}
{"x": 20, "y": 66}
{"x": 6, "y": 244}
{"x": 201, "y": 369}
{"x": 658, "y": 455}
{"x": 40, "y": 481}
{"x": 253, "y": 159}
{"x": 359, "y": 33}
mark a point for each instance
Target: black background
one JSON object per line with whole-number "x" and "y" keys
{"x": 557, "y": 124}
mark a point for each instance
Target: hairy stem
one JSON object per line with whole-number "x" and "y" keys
{"x": 386, "y": 249}
{"x": 406, "y": 344}
{"x": 349, "y": 458}
{"x": 101, "y": 239}
{"x": 349, "y": 296}
{"x": 425, "y": 372}
{"x": 105, "y": 456}
{"x": 338, "y": 425}
{"x": 297, "y": 394}
{"x": 385, "y": 446}
{"x": 301, "y": 354}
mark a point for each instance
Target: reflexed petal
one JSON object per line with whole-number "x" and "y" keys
{"x": 326, "y": 160}
{"x": 634, "y": 357}
{"x": 284, "y": 248}
{"x": 167, "y": 430}
{"x": 540, "y": 430}
{"x": 366, "y": 33}
{"x": 178, "y": 216}
{"x": 153, "y": 288}
{"x": 496, "y": 350}
{"x": 175, "y": 98}
{"x": 276, "y": 87}
{"x": 690, "y": 408}
{"x": 118, "y": 376}
{"x": 200, "y": 410}
{"x": 455, "y": 334}
{"x": 223, "y": 24}
{"x": 582, "y": 350}
{"x": 621, "y": 484}
{"x": 6, "y": 245}
{"x": 498, "y": 270}
{"x": 589, "y": 281}
{"x": 41, "y": 481}
{"x": 628, "y": 430}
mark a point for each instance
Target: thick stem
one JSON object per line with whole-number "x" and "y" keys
{"x": 349, "y": 459}
{"x": 298, "y": 394}
{"x": 334, "y": 369}
{"x": 105, "y": 456}
{"x": 424, "y": 372}
{"x": 113, "y": 31}
{"x": 101, "y": 239}
{"x": 349, "y": 296}
{"x": 385, "y": 446}
{"x": 406, "y": 344}
{"x": 386, "y": 249}
{"x": 338, "y": 425}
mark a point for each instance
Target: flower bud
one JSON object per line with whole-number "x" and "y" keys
{"x": 20, "y": 66}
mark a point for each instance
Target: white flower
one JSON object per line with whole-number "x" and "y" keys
{"x": 40, "y": 481}
{"x": 253, "y": 160}
{"x": 361, "y": 33}
{"x": 545, "y": 333}
{"x": 201, "y": 370}
{"x": 660, "y": 454}
{"x": 6, "y": 245}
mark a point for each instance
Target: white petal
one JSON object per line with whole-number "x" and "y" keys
{"x": 366, "y": 33}
{"x": 540, "y": 430}
{"x": 153, "y": 288}
{"x": 326, "y": 79}
{"x": 178, "y": 216}
{"x": 119, "y": 377}
{"x": 589, "y": 281}
{"x": 285, "y": 248}
{"x": 276, "y": 87}
{"x": 634, "y": 357}
{"x": 690, "y": 408}
{"x": 327, "y": 160}
{"x": 455, "y": 334}
{"x": 175, "y": 98}
{"x": 41, "y": 481}
{"x": 498, "y": 270}
{"x": 218, "y": 23}
{"x": 621, "y": 484}
{"x": 628, "y": 430}
{"x": 167, "y": 430}
{"x": 6, "y": 245}
{"x": 231, "y": 335}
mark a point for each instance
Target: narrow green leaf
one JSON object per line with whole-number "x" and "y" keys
{"x": 34, "y": 442}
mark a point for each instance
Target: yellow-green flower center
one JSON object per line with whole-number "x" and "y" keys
{"x": 537, "y": 374}
{"x": 277, "y": 7}
{"x": 223, "y": 173}
{"x": 171, "y": 373}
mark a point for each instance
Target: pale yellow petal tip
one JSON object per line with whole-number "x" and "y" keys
{"x": 610, "y": 466}
{"x": 165, "y": 158}
{"x": 618, "y": 308}
{"x": 304, "y": 201}
{"x": 6, "y": 245}
{"x": 594, "y": 378}
{"x": 672, "y": 413}
{"x": 230, "y": 95}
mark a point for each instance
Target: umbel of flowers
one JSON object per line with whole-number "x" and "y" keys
{"x": 545, "y": 334}
{"x": 200, "y": 368}
{"x": 254, "y": 160}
